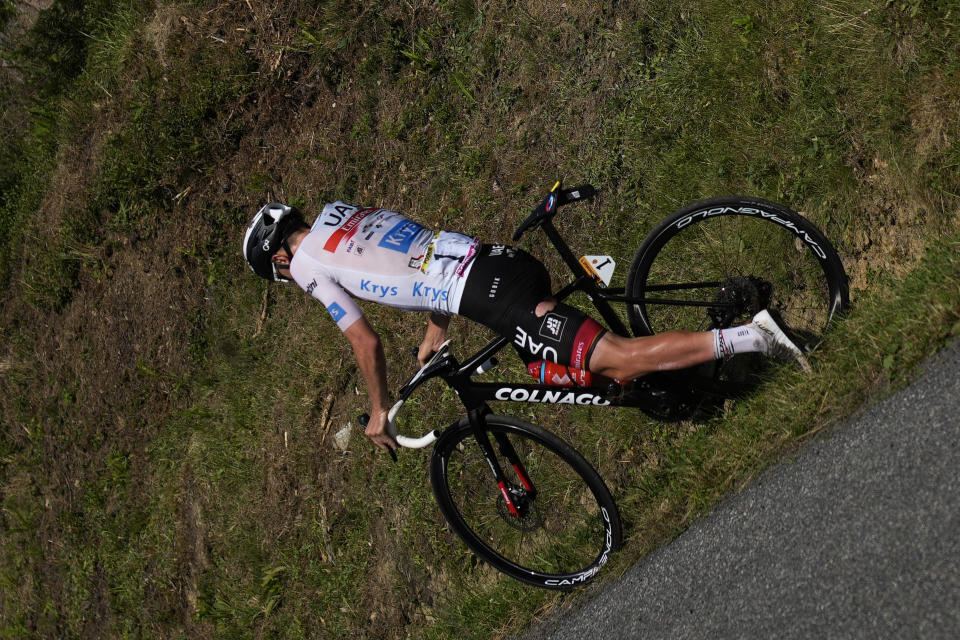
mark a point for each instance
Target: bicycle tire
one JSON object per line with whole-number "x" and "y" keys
{"x": 566, "y": 532}
{"x": 738, "y": 245}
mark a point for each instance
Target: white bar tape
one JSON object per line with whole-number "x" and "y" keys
{"x": 404, "y": 441}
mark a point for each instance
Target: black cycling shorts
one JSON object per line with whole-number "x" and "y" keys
{"x": 502, "y": 292}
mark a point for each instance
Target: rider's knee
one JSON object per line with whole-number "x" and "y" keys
{"x": 545, "y": 307}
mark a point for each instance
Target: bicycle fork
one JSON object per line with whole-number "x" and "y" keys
{"x": 507, "y": 451}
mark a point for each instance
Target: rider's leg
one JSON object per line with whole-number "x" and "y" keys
{"x": 623, "y": 358}
{"x": 628, "y": 358}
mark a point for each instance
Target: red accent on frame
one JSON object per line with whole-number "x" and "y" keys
{"x": 522, "y": 474}
{"x": 506, "y": 497}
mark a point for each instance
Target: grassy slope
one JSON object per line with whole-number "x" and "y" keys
{"x": 167, "y": 460}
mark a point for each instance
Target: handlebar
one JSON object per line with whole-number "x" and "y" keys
{"x": 554, "y": 200}
{"x": 403, "y": 441}
{"x": 440, "y": 360}
{"x": 364, "y": 420}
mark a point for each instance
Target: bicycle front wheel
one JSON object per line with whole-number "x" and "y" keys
{"x": 716, "y": 263}
{"x": 564, "y": 522}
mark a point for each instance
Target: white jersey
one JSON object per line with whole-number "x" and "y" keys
{"x": 381, "y": 256}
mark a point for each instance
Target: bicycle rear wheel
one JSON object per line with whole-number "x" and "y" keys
{"x": 566, "y": 523}
{"x": 716, "y": 263}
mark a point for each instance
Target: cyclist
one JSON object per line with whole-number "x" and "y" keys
{"x": 382, "y": 256}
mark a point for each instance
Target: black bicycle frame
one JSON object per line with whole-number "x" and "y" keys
{"x": 600, "y": 295}
{"x": 475, "y": 396}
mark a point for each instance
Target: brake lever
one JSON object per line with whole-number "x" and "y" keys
{"x": 435, "y": 362}
{"x": 535, "y": 219}
{"x": 557, "y": 198}
{"x": 364, "y": 420}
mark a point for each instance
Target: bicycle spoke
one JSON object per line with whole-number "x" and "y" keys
{"x": 549, "y": 535}
{"x": 754, "y": 250}
{"x": 761, "y": 255}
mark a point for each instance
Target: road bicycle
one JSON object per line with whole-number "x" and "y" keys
{"x": 527, "y": 502}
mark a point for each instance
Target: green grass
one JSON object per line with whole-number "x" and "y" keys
{"x": 166, "y": 464}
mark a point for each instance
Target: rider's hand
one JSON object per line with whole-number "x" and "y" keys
{"x": 426, "y": 351}
{"x": 376, "y": 430}
{"x": 433, "y": 338}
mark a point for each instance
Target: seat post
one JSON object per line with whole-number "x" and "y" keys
{"x": 585, "y": 284}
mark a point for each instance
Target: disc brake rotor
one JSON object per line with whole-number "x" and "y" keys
{"x": 528, "y": 518}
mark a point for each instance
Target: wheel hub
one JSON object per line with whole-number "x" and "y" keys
{"x": 528, "y": 516}
{"x": 740, "y": 296}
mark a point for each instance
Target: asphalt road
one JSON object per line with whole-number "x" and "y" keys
{"x": 857, "y": 537}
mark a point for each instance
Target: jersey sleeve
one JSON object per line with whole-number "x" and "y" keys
{"x": 342, "y": 308}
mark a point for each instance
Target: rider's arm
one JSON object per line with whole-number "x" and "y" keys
{"x": 434, "y": 336}
{"x": 373, "y": 365}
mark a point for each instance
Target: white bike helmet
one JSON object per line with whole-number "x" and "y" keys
{"x": 267, "y": 233}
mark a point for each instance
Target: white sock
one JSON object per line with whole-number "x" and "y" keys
{"x": 743, "y": 339}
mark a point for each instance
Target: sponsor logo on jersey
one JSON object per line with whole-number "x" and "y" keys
{"x": 420, "y": 262}
{"x": 552, "y": 326}
{"x": 423, "y": 261}
{"x": 378, "y": 290}
{"x": 346, "y": 230}
{"x": 401, "y": 236}
{"x": 471, "y": 252}
{"x": 336, "y": 312}
{"x": 354, "y": 248}
{"x": 587, "y": 335}
{"x": 420, "y": 290}
{"x": 579, "y": 350}
{"x": 312, "y": 286}
{"x": 493, "y": 288}
{"x": 499, "y": 250}
{"x": 336, "y": 213}
{"x": 550, "y": 396}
